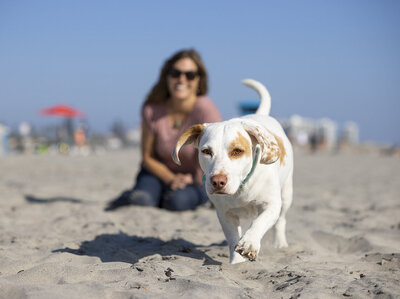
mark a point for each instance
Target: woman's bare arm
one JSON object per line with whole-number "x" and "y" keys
{"x": 149, "y": 163}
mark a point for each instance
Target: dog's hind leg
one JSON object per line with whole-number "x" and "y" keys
{"x": 280, "y": 226}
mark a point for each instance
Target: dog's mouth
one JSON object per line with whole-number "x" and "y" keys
{"x": 219, "y": 192}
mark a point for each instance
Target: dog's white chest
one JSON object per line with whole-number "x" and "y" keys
{"x": 249, "y": 211}
{"x": 243, "y": 204}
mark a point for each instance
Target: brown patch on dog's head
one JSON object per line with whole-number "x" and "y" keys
{"x": 193, "y": 134}
{"x": 239, "y": 147}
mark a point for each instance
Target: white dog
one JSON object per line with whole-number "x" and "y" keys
{"x": 248, "y": 169}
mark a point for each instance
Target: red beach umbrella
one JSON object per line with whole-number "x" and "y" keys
{"x": 62, "y": 111}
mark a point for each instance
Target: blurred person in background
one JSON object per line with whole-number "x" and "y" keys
{"x": 176, "y": 102}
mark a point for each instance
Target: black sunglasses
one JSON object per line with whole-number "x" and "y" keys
{"x": 191, "y": 75}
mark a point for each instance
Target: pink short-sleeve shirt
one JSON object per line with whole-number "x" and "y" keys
{"x": 166, "y": 136}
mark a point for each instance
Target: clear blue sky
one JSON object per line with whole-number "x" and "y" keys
{"x": 337, "y": 59}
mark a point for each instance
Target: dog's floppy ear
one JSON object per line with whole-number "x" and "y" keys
{"x": 270, "y": 150}
{"x": 190, "y": 135}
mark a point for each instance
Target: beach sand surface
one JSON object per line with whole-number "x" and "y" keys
{"x": 56, "y": 240}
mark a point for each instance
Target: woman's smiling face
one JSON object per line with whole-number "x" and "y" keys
{"x": 180, "y": 86}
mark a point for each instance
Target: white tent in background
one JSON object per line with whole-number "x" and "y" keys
{"x": 350, "y": 134}
{"x": 4, "y": 133}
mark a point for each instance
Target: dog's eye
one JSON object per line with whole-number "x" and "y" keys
{"x": 236, "y": 152}
{"x": 207, "y": 152}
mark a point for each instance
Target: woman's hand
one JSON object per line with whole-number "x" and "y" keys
{"x": 181, "y": 180}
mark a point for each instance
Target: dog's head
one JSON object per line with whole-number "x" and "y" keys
{"x": 226, "y": 151}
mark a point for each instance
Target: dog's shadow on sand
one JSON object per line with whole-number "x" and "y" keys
{"x": 130, "y": 249}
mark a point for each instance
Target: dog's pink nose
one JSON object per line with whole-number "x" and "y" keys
{"x": 218, "y": 181}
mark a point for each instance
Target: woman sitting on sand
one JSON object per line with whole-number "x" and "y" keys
{"x": 175, "y": 103}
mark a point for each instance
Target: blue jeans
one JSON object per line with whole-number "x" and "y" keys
{"x": 151, "y": 191}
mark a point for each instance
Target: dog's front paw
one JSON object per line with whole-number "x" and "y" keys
{"x": 247, "y": 249}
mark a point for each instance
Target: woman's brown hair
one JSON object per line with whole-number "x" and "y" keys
{"x": 159, "y": 93}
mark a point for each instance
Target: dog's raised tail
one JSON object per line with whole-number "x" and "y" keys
{"x": 265, "y": 98}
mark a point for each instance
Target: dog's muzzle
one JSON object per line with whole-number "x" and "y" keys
{"x": 218, "y": 182}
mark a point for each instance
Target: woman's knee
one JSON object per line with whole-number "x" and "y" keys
{"x": 147, "y": 190}
{"x": 181, "y": 200}
{"x": 143, "y": 198}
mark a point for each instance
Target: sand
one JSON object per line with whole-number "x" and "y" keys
{"x": 57, "y": 242}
